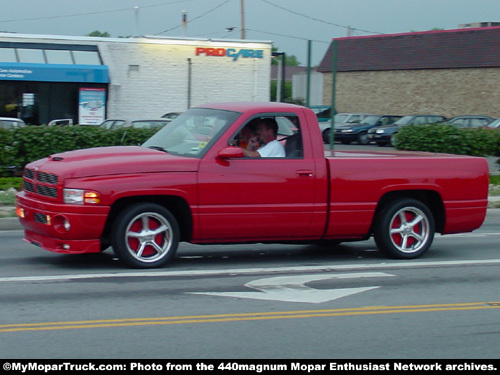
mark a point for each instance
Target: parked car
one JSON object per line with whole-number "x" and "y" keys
{"x": 359, "y": 132}
{"x": 384, "y": 135}
{"x": 11, "y": 123}
{"x": 469, "y": 121}
{"x": 61, "y": 122}
{"x": 495, "y": 124}
{"x": 322, "y": 112}
{"x": 139, "y": 123}
{"x": 171, "y": 115}
{"x": 341, "y": 118}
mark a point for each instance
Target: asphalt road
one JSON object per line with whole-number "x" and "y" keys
{"x": 255, "y": 301}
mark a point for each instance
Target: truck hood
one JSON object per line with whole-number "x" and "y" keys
{"x": 115, "y": 160}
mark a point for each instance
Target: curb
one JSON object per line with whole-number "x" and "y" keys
{"x": 12, "y": 223}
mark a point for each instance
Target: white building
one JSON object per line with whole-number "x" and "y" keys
{"x": 85, "y": 78}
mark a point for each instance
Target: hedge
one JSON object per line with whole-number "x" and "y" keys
{"x": 449, "y": 139}
{"x": 20, "y": 146}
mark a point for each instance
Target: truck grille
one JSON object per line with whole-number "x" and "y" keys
{"x": 40, "y": 183}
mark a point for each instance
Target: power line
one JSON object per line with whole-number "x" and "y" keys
{"x": 318, "y": 20}
{"x": 196, "y": 18}
{"x": 288, "y": 36}
{"x": 93, "y": 13}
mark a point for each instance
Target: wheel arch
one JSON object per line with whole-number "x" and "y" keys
{"x": 176, "y": 205}
{"x": 430, "y": 198}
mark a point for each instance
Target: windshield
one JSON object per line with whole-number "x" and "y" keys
{"x": 192, "y": 132}
{"x": 341, "y": 117}
{"x": 404, "y": 120}
{"x": 494, "y": 124}
{"x": 370, "y": 120}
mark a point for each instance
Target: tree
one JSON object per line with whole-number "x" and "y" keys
{"x": 99, "y": 34}
{"x": 290, "y": 60}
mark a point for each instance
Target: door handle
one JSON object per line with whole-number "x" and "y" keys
{"x": 305, "y": 173}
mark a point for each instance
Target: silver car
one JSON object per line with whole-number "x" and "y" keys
{"x": 134, "y": 123}
{"x": 11, "y": 123}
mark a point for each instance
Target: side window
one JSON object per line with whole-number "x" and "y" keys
{"x": 287, "y": 142}
{"x": 118, "y": 124}
{"x": 291, "y": 137}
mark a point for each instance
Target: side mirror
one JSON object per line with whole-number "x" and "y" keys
{"x": 230, "y": 152}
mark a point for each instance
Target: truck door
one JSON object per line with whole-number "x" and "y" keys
{"x": 262, "y": 198}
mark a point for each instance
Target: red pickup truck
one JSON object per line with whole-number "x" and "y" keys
{"x": 190, "y": 183}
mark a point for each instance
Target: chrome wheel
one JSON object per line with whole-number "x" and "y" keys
{"x": 148, "y": 237}
{"x": 145, "y": 235}
{"x": 409, "y": 230}
{"x": 404, "y": 229}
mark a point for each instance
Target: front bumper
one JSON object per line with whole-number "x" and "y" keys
{"x": 379, "y": 137}
{"x": 346, "y": 136}
{"x": 62, "y": 228}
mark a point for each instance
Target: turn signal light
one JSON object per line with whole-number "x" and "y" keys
{"x": 20, "y": 212}
{"x": 91, "y": 197}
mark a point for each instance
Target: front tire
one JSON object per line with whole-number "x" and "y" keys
{"x": 326, "y": 135}
{"x": 404, "y": 229}
{"x": 363, "y": 138}
{"x": 145, "y": 235}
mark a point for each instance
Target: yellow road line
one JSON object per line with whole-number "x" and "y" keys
{"x": 217, "y": 318}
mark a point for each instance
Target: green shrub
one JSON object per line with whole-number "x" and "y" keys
{"x": 448, "y": 139}
{"x": 20, "y": 146}
{"x": 11, "y": 182}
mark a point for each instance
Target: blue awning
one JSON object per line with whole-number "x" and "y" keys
{"x": 54, "y": 72}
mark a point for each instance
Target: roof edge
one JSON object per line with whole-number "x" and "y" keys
{"x": 418, "y": 33}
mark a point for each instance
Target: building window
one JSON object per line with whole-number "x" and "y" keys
{"x": 45, "y": 53}
{"x": 8, "y": 55}
{"x": 58, "y": 56}
{"x": 31, "y": 55}
{"x": 86, "y": 58}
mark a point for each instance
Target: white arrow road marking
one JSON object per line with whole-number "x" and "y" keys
{"x": 292, "y": 288}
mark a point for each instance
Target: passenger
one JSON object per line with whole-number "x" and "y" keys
{"x": 247, "y": 133}
{"x": 267, "y": 132}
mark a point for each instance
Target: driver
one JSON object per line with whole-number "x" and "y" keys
{"x": 267, "y": 132}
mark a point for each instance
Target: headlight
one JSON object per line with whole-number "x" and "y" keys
{"x": 79, "y": 196}
{"x": 73, "y": 196}
{"x": 379, "y": 131}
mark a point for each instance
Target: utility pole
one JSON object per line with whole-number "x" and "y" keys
{"x": 242, "y": 3}
{"x": 308, "y": 85}
{"x": 136, "y": 13}
{"x": 184, "y": 23}
{"x": 334, "y": 82}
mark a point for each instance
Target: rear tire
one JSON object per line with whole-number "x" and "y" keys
{"x": 404, "y": 229}
{"x": 145, "y": 235}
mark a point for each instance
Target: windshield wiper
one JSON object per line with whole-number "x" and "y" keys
{"x": 159, "y": 148}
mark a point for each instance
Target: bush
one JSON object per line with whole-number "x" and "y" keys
{"x": 10, "y": 182}
{"x": 449, "y": 139}
{"x": 20, "y": 146}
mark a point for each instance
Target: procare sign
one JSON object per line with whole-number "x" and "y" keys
{"x": 233, "y": 53}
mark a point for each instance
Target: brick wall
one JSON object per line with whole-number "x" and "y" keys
{"x": 447, "y": 92}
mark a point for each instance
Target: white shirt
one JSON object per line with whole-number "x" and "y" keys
{"x": 273, "y": 149}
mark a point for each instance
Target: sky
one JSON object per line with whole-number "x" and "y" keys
{"x": 289, "y": 24}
